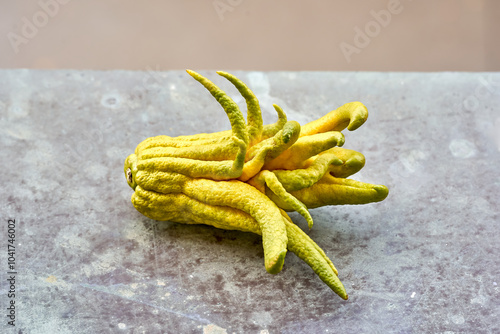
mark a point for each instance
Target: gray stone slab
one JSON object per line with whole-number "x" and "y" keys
{"x": 424, "y": 260}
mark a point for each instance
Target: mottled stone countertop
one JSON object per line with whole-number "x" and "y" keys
{"x": 424, "y": 260}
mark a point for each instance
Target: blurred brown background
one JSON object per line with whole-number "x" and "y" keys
{"x": 379, "y": 35}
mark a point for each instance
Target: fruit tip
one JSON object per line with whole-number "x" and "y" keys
{"x": 191, "y": 72}
{"x": 382, "y": 191}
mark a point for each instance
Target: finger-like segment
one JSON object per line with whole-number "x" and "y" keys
{"x": 282, "y": 140}
{"x": 318, "y": 249}
{"x": 352, "y": 162}
{"x": 244, "y": 197}
{"x": 306, "y": 249}
{"x": 337, "y": 191}
{"x": 216, "y": 170}
{"x": 232, "y": 110}
{"x": 293, "y": 180}
{"x": 351, "y": 116}
{"x": 234, "y": 194}
{"x": 269, "y": 149}
{"x": 254, "y": 166}
{"x": 273, "y": 185}
{"x": 176, "y": 142}
{"x": 304, "y": 148}
{"x": 271, "y": 129}
{"x": 223, "y": 151}
{"x": 180, "y": 208}
{"x": 254, "y": 116}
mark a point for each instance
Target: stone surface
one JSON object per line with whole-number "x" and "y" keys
{"x": 424, "y": 260}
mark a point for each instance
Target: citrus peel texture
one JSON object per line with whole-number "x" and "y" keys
{"x": 247, "y": 178}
